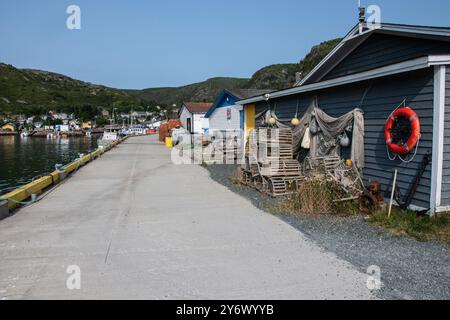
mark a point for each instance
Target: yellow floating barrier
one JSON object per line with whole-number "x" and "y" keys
{"x": 25, "y": 192}
{"x": 21, "y": 194}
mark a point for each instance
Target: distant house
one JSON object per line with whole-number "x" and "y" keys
{"x": 74, "y": 125}
{"x": 60, "y": 116}
{"x": 86, "y": 125}
{"x": 105, "y": 114}
{"x": 8, "y": 127}
{"x": 21, "y": 120}
{"x": 64, "y": 117}
{"x": 62, "y": 128}
{"x": 38, "y": 124}
{"x": 140, "y": 115}
{"x": 225, "y": 114}
{"x": 192, "y": 116}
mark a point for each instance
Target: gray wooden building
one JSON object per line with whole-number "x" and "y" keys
{"x": 375, "y": 70}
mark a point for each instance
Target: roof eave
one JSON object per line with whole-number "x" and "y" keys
{"x": 218, "y": 99}
{"x": 384, "y": 28}
{"x": 406, "y": 66}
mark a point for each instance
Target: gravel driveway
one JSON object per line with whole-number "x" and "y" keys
{"x": 409, "y": 269}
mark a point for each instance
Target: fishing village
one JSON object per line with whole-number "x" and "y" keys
{"x": 335, "y": 185}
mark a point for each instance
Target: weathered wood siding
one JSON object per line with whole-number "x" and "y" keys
{"x": 381, "y": 99}
{"x": 445, "y": 196}
{"x": 382, "y": 50}
{"x": 218, "y": 121}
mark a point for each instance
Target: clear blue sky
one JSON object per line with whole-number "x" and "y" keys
{"x": 151, "y": 43}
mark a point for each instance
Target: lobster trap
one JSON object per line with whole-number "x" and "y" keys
{"x": 269, "y": 165}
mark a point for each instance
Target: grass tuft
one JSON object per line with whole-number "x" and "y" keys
{"x": 237, "y": 178}
{"x": 420, "y": 227}
{"x": 318, "y": 196}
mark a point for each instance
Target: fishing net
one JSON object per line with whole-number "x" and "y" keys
{"x": 326, "y": 133}
{"x": 333, "y": 198}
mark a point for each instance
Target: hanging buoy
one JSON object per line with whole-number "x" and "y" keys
{"x": 344, "y": 140}
{"x": 313, "y": 127}
{"x": 272, "y": 121}
{"x": 349, "y": 163}
{"x": 295, "y": 121}
{"x": 413, "y": 139}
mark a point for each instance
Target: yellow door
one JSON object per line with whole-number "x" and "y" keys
{"x": 249, "y": 118}
{"x": 249, "y": 122}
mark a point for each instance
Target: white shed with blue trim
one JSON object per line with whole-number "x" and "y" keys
{"x": 225, "y": 114}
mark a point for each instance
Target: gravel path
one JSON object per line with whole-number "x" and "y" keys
{"x": 409, "y": 269}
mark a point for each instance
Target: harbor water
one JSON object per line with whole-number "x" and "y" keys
{"x": 24, "y": 159}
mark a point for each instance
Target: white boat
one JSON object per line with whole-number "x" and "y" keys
{"x": 25, "y": 134}
{"x": 107, "y": 138}
{"x": 52, "y": 135}
{"x": 135, "y": 131}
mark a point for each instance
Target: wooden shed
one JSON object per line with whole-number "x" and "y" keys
{"x": 225, "y": 114}
{"x": 8, "y": 127}
{"x": 192, "y": 116}
{"x": 375, "y": 69}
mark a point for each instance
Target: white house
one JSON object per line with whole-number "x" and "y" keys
{"x": 192, "y": 116}
{"x": 38, "y": 124}
{"x": 62, "y": 128}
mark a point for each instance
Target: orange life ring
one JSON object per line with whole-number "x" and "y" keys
{"x": 403, "y": 149}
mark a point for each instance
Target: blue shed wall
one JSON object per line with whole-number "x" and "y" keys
{"x": 381, "y": 99}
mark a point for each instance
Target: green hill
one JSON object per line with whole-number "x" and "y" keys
{"x": 33, "y": 91}
{"x": 276, "y": 77}
{"x": 198, "y": 92}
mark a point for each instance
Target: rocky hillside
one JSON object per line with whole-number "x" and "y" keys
{"x": 276, "y": 76}
{"x": 280, "y": 76}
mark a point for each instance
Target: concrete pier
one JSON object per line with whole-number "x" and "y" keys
{"x": 139, "y": 227}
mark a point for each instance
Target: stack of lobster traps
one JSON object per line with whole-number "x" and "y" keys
{"x": 269, "y": 165}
